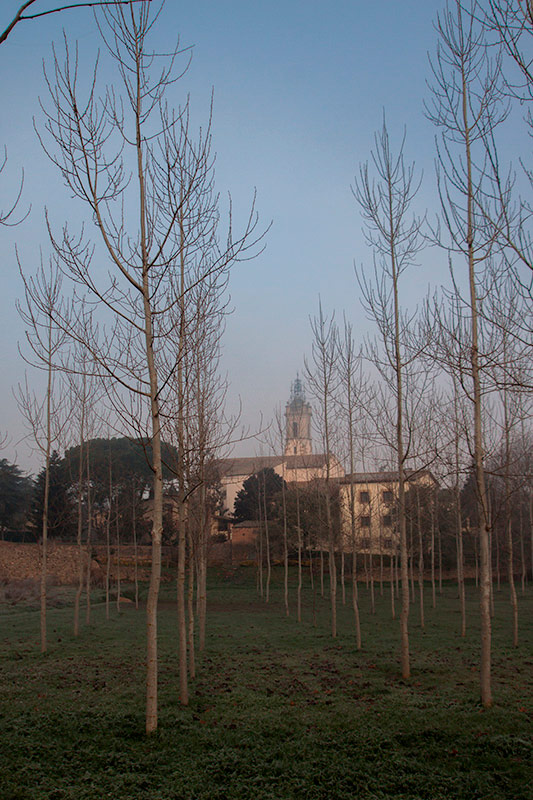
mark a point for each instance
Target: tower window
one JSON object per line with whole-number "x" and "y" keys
{"x": 295, "y": 450}
{"x": 295, "y": 430}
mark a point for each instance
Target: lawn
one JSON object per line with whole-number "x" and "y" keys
{"x": 278, "y": 709}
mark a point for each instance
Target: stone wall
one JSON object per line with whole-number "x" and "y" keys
{"x": 22, "y": 561}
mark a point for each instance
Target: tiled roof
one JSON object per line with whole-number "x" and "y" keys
{"x": 246, "y": 466}
{"x": 311, "y": 461}
{"x": 383, "y": 477}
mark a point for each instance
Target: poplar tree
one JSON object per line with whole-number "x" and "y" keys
{"x": 120, "y": 153}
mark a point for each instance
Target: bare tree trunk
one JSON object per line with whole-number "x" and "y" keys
{"x": 313, "y": 585}
{"x": 44, "y": 543}
{"x": 508, "y": 517}
{"x": 439, "y": 545}
{"x": 260, "y": 559}
{"x": 411, "y": 559}
{"x": 299, "y": 592}
{"x": 267, "y": 545}
{"x": 89, "y": 541}
{"x": 355, "y": 599}
{"x": 392, "y": 571}
{"x": 190, "y": 607}
{"x": 372, "y": 593}
{"x": 108, "y": 541}
{"x": 496, "y": 541}
{"x": 202, "y": 573}
{"x": 79, "y": 530}
{"x": 182, "y": 535}
{"x": 135, "y": 548}
{"x": 476, "y": 559}
{"x": 182, "y": 619}
{"x": 285, "y": 552}
{"x": 459, "y": 540}
{"x": 433, "y": 500}
{"x": 117, "y": 530}
{"x": 420, "y": 558}
{"x": 523, "y": 573}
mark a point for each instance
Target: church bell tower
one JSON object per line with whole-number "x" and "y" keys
{"x": 298, "y": 422}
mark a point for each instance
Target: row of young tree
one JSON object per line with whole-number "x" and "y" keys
{"x": 290, "y": 525}
{"x": 125, "y": 319}
{"x": 448, "y": 385}
{"x": 144, "y": 331}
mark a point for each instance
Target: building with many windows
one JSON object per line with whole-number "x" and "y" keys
{"x": 372, "y": 524}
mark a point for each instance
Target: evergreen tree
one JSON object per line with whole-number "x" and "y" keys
{"x": 265, "y": 482}
{"x": 60, "y": 506}
{"x": 15, "y": 491}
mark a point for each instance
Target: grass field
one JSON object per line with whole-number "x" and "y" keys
{"x": 278, "y": 710}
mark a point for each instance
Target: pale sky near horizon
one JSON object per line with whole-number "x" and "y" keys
{"x": 300, "y": 88}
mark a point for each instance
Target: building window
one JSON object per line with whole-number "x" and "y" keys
{"x": 387, "y": 496}
{"x": 365, "y": 542}
{"x": 364, "y": 497}
{"x": 295, "y": 430}
{"x": 365, "y": 522}
{"x": 387, "y": 544}
{"x": 386, "y": 521}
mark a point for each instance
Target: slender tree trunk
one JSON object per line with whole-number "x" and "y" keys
{"x": 392, "y": 571}
{"x": 411, "y": 560}
{"x": 355, "y": 599}
{"x": 135, "y": 548}
{"x": 476, "y": 559}
{"x": 202, "y": 572}
{"x": 496, "y": 540}
{"x": 285, "y": 552}
{"x": 299, "y": 593}
{"x": 108, "y": 542}
{"x": 79, "y": 531}
{"x": 432, "y": 501}
{"x": 508, "y": 515}
{"x": 372, "y": 593}
{"x": 88, "y": 575}
{"x": 260, "y": 565}
{"x": 459, "y": 540}
{"x": 313, "y": 585}
{"x": 190, "y": 607}
{"x": 523, "y": 573}
{"x": 117, "y": 523}
{"x": 267, "y": 545}
{"x": 182, "y": 521}
{"x": 44, "y": 544}
{"x": 420, "y": 559}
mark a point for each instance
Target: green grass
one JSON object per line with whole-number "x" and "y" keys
{"x": 278, "y": 710}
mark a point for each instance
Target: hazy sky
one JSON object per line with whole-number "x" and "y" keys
{"x": 300, "y": 88}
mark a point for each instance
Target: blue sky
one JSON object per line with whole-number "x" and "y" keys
{"x": 300, "y": 88}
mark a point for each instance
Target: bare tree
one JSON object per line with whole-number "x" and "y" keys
{"x": 395, "y": 236}
{"x": 21, "y": 16}
{"x": 466, "y": 106}
{"x": 352, "y": 387}
{"x": 45, "y": 417}
{"x": 322, "y": 381}
{"x": 147, "y": 223}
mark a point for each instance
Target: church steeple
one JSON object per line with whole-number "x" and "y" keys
{"x": 298, "y": 422}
